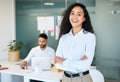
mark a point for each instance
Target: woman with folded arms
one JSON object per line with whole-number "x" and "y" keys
{"x": 75, "y": 51}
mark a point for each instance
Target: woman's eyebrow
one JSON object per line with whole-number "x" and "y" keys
{"x": 77, "y": 12}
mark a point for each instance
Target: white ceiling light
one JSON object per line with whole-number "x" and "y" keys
{"x": 48, "y": 3}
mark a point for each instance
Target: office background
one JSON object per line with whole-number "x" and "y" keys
{"x": 105, "y": 17}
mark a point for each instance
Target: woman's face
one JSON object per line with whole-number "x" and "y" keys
{"x": 77, "y": 17}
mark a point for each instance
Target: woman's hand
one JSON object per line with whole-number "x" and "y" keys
{"x": 58, "y": 60}
{"x": 84, "y": 57}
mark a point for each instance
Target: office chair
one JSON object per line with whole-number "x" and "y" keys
{"x": 96, "y": 75}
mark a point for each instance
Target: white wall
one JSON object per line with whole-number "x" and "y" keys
{"x": 7, "y": 25}
{"x": 7, "y": 30}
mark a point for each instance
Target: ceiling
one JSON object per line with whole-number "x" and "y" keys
{"x": 46, "y": 0}
{"x": 56, "y": 3}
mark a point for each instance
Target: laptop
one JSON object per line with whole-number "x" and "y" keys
{"x": 43, "y": 63}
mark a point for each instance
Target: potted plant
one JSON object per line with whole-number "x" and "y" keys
{"x": 14, "y": 50}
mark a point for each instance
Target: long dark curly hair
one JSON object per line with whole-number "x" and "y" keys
{"x": 66, "y": 26}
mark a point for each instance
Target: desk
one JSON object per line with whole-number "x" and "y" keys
{"x": 47, "y": 76}
{"x": 13, "y": 73}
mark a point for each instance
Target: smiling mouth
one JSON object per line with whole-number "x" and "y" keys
{"x": 74, "y": 21}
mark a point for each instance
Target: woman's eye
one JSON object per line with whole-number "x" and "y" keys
{"x": 72, "y": 13}
{"x": 79, "y": 14}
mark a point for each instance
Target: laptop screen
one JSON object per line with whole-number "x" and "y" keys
{"x": 43, "y": 63}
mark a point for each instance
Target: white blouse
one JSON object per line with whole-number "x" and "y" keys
{"x": 73, "y": 48}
